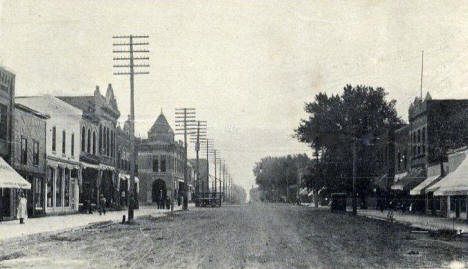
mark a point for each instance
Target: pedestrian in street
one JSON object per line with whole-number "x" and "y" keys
{"x": 22, "y": 208}
{"x": 102, "y": 205}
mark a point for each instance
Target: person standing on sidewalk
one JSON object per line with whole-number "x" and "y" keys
{"x": 102, "y": 205}
{"x": 22, "y": 208}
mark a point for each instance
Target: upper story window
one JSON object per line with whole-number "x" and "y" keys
{"x": 54, "y": 138}
{"x": 64, "y": 144}
{"x": 35, "y": 152}
{"x": 94, "y": 143}
{"x": 3, "y": 121}
{"x": 163, "y": 164}
{"x": 24, "y": 150}
{"x": 100, "y": 139}
{"x": 155, "y": 165}
{"x": 89, "y": 142}
{"x": 72, "y": 143}
{"x": 419, "y": 136}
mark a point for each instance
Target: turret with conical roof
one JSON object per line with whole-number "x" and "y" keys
{"x": 161, "y": 130}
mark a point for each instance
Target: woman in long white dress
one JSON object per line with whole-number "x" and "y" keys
{"x": 22, "y": 208}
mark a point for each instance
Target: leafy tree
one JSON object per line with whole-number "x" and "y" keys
{"x": 276, "y": 176}
{"x": 334, "y": 123}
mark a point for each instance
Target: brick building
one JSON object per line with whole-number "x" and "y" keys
{"x": 429, "y": 136}
{"x": 10, "y": 181}
{"x": 123, "y": 163}
{"x": 98, "y": 132}
{"x": 160, "y": 164}
{"x": 29, "y": 155}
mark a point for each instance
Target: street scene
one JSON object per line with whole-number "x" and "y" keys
{"x": 233, "y": 134}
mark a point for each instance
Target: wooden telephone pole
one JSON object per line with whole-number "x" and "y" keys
{"x": 199, "y": 137}
{"x": 185, "y": 117}
{"x": 129, "y": 62}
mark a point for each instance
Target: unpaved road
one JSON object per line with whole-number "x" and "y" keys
{"x": 247, "y": 236}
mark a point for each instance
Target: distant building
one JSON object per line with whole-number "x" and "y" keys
{"x": 29, "y": 155}
{"x": 160, "y": 164}
{"x": 201, "y": 183}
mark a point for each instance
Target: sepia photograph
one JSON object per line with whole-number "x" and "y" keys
{"x": 231, "y": 134}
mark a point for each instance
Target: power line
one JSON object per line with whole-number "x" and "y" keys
{"x": 131, "y": 72}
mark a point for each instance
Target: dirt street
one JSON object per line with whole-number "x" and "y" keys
{"x": 246, "y": 236}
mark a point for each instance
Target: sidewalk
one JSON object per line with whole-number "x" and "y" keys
{"x": 419, "y": 221}
{"x": 12, "y": 229}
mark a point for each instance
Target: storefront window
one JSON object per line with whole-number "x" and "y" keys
{"x": 67, "y": 188}
{"x": 38, "y": 197}
{"x": 59, "y": 188}
{"x": 50, "y": 185}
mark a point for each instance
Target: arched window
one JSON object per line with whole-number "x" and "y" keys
{"x": 94, "y": 143}
{"x": 83, "y": 139}
{"x": 89, "y": 141}
{"x": 100, "y": 139}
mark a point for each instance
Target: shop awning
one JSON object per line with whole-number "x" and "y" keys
{"x": 124, "y": 176}
{"x": 455, "y": 183}
{"x": 88, "y": 165}
{"x": 420, "y": 189}
{"x": 414, "y": 178}
{"x": 400, "y": 176}
{"x": 381, "y": 182}
{"x": 9, "y": 178}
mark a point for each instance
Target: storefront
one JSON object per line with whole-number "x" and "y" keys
{"x": 10, "y": 184}
{"x": 453, "y": 188}
{"x": 62, "y": 188}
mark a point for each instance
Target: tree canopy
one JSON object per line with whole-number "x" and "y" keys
{"x": 360, "y": 113}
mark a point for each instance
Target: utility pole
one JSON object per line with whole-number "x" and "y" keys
{"x": 224, "y": 182}
{"x": 209, "y": 142}
{"x": 422, "y": 69}
{"x": 131, "y": 72}
{"x": 354, "y": 177}
{"x": 198, "y": 140}
{"x": 215, "y": 161}
{"x": 185, "y": 117}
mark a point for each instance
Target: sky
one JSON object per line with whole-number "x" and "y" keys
{"x": 248, "y": 67}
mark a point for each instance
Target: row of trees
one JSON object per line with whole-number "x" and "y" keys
{"x": 344, "y": 130}
{"x": 357, "y": 117}
{"x": 277, "y": 177}
{"x": 336, "y": 124}
{"x": 239, "y": 195}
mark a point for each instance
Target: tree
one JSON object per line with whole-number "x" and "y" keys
{"x": 276, "y": 176}
{"x": 335, "y": 122}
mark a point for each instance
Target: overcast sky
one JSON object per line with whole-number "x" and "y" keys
{"x": 248, "y": 67}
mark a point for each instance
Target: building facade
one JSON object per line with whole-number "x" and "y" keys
{"x": 123, "y": 163}
{"x": 62, "y": 152}
{"x": 160, "y": 164}
{"x": 7, "y": 100}
{"x": 29, "y": 155}
{"x": 98, "y": 132}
